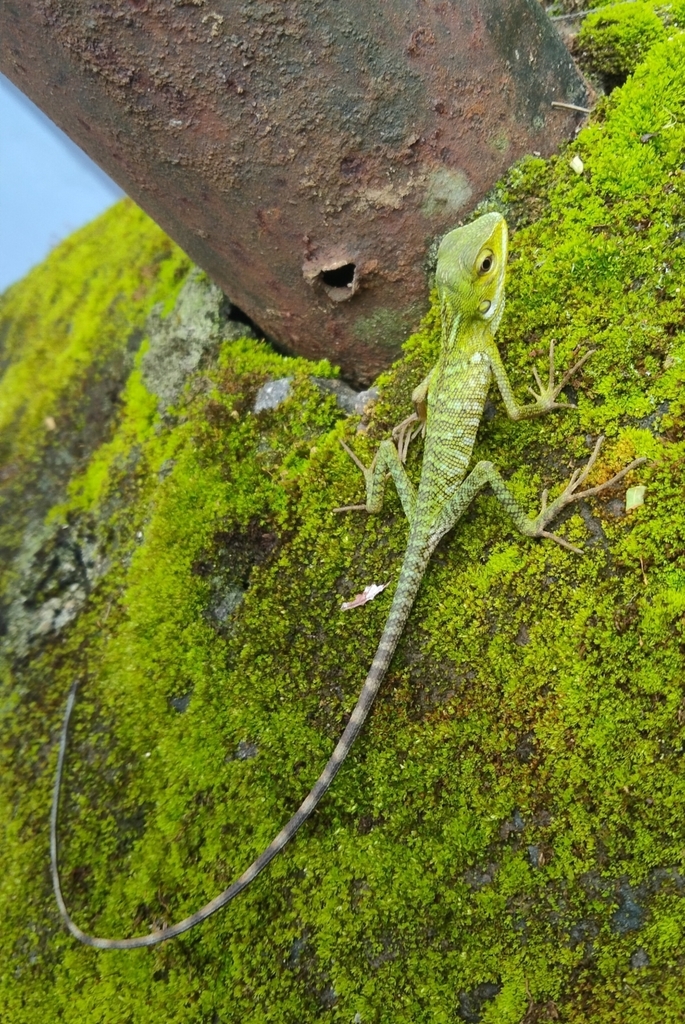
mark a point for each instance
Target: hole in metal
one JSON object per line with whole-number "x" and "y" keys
{"x": 339, "y": 277}
{"x": 339, "y": 282}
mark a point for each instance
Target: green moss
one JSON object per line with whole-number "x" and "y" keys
{"x": 508, "y": 833}
{"x": 69, "y": 312}
{"x": 68, "y": 333}
{"x": 616, "y": 38}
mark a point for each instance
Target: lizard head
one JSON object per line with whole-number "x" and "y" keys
{"x": 471, "y": 267}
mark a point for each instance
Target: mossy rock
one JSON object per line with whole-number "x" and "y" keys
{"x": 615, "y": 39}
{"x": 507, "y": 839}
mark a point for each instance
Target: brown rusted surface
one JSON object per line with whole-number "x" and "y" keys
{"x": 304, "y": 152}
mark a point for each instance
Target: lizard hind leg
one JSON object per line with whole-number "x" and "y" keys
{"x": 386, "y": 460}
{"x": 485, "y": 473}
{"x": 571, "y": 493}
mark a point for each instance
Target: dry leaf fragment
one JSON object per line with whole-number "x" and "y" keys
{"x": 635, "y": 496}
{"x": 367, "y": 594}
{"x": 577, "y": 164}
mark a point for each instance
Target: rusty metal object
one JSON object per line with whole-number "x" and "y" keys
{"x": 304, "y": 152}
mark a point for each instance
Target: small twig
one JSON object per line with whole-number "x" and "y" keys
{"x": 350, "y": 508}
{"x": 642, "y": 567}
{"x": 577, "y": 14}
{"x": 570, "y": 106}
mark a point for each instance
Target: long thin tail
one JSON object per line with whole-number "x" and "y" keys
{"x": 408, "y": 584}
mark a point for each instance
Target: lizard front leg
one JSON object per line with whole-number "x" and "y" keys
{"x": 546, "y": 400}
{"x": 485, "y": 473}
{"x": 404, "y": 433}
{"x": 386, "y": 460}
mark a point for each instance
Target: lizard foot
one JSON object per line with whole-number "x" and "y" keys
{"x": 547, "y": 397}
{"x": 403, "y": 434}
{"x": 571, "y": 494}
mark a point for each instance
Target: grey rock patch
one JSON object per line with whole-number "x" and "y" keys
{"x": 56, "y": 570}
{"x": 639, "y": 959}
{"x": 583, "y": 931}
{"x": 472, "y": 1003}
{"x": 534, "y": 856}
{"x": 630, "y": 914}
{"x": 514, "y": 824}
{"x": 594, "y": 527}
{"x": 659, "y": 877}
{"x": 616, "y": 508}
{"x": 350, "y": 401}
{"x": 365, "y": 399}
{"x": 246, "y": 751}
{"x": 272, "y": 394}
{"x": 328, "y": 997}
{"x": 650, "y": 422}
{"x": 181, "y": 703}
{"x": 345, "y": 396}
{"x": 478, "y": 878}
{"x": 226, "y": 604}
{"x": 489, "y": 411}
{"x": 183, "y": 341}
{"x": 296, "y": 950}
{"x": 57, "y": 612}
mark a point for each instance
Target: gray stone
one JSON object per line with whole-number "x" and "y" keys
{"x": 639, "y": 959}
{"x": 56, "y": 570}
{"x": 182, "y": 342}
{"x": 364, "y": 399}
{"x": 630, "y": 914}
{"x": 472, "y": 1003}
{"x": 272, "y": 394}
{"x": 226, "y": 604}
{"x": 514, "y": 824}
{"x": 616, "y": 508}
{"x": 345, "y": 396}
{"x": 181, "y": 703}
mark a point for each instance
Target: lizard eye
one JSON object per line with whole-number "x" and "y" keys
{"x": 486, "y": 262}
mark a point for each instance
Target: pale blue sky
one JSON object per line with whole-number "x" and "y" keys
{"x": 48, "y": 186}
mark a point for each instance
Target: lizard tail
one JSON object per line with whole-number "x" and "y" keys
{"x": 407, "y": 587}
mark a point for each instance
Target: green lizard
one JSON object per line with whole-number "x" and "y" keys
{"x": 470, "y": 279}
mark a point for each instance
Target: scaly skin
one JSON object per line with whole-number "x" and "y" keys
{"x": 470, "y": 278}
